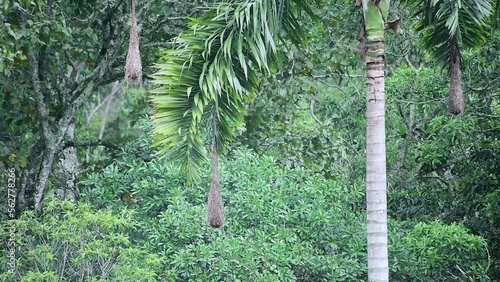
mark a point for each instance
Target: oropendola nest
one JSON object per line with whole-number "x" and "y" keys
{"x": 455, "y": 95}
{"x": 133, "y": 66}
{"x": 215, "y": 210}
{"x": 215, "y": 213}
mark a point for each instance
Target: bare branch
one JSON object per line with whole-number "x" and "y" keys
{"x": 311, "y": 110}
{"x": 114, "y": 91}
{"x": 484, "y": 88}
{"x": 106, "y": 144}
{"x": 403, "y": 116}
{"x": 338, "y": 74}
{"x": 68, "y": 57}
{"x": 110, "y": 95}
{"x": 485, "y": 115}
{"x": 409, "y": 63}
{"x": 80, "y": 96}
{"x": 167, "y": 44}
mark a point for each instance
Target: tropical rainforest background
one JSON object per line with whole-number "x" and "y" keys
{"x": 94, "y": 201}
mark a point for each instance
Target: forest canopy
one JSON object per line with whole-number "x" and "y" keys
{"x": 128, "y": 129}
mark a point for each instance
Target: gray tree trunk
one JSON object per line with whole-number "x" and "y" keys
{"x": 67, "y": 170}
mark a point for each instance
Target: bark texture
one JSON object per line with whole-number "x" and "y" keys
{"x": 376, "y": 200}
{"x": 67, "y": 170}
{"x": 133, "y": 66}
{"x": 74, "y": 89}
{"x": 46, "y": 133}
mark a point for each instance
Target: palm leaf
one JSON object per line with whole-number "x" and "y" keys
{"x": 216, "y": 68}
{"x": 448, "y": 26}
{"x": 461, "y": 23}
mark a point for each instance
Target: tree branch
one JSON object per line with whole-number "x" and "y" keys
{"x": 110, "y": 95}
{"x": 337, "y": 74}
{"x": 40, "y": 103}
{"x": 485, "y": 115}
{"x": 311, "y": 110}
{"x": 80, "y": 96}
{"x": 484, "y": 88}
{"x": 167, "y": 44}
{"x": 106, "y": 144}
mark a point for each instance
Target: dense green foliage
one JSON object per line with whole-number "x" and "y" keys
{"x": 74, "y": 241}
{"x": 438, "y": 251}
{"x": 292, "y": 182}
{"x": 213, "y": 70}
{"x": 57, "y": 62}
{"x": 282, "y": 225}
{"x": 451, "y": 25}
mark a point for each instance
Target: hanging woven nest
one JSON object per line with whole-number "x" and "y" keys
{"x": 215, "y": 209}
{"x": 455, "y": 95}
{"x": 215, "y": 213}
{"x": 133, "y": 66}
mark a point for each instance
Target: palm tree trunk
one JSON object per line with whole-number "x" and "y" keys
{"x": 376, "y": 202}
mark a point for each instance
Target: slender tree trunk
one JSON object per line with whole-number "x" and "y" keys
{"x": 77, "y": 91}
{"x": 67, "y": 170}
{"x": 46, "y": 133}
{"x": 376, "y": 202}
{"x": 25, "y": 195}
{"x": 43, "y": 175}
{"x": 111, "y": 100}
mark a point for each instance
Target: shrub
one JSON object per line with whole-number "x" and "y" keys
{"x": 76, "y": 242}
{"x": 281, "y": 224}
{"x": 439, "y": 252}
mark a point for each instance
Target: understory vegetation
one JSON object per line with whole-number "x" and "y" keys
{"x": 282, "y": 225}
{"x": 95, "y": 201}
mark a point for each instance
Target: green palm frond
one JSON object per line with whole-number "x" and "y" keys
{"x": 461, "y": 23}
{"x": 177, "y": 115}
{"x": 216, "y": 66}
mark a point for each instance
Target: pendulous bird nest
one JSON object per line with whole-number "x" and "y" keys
{"x": 133, "y": 66}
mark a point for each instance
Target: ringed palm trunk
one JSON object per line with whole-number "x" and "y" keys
{"x": 376, "y": 203}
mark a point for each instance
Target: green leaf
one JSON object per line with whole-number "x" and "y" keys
{"x": 217, "y": 63}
